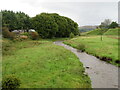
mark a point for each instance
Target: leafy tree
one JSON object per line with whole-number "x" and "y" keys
{"x": 12, "y": 20}
{"x": 72, "y": 26}
{"x": 48, "y": 25}
{"x": 45, "y": 25}
{"x": 54, "y": 25}
{"x": 113, "y": 25}
{"x": 23, "y": 21}
{"x": 9, "y": 19}
{"x": 105, "y": 24}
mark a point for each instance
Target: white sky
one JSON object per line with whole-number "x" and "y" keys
{"x": 81, "y": 11}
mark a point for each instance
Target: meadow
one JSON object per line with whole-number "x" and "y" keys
{"x": 41, "y": 64}
{"x": 106, "y": 50}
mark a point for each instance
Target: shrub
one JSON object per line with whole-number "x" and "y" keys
{"x": 71, "y": 35}
{"x": 81, "y": 47}
{"x": 26, "y": 34}
{"x": 10, "y": 81}
{"x": 7, "y": 34}
{"x": 34, "y": 35}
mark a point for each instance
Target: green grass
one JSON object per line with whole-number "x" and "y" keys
{"x": 112, "y": 32}
{"x": 115, "y": 31}
{"x": 93, "y": 45}
{"x": 94, "y": 32}
{"x": 41, "y": 64}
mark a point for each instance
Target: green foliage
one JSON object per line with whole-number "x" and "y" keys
{"x": 7, "y": 34}
{"x": 71, "y": 35}
{"x": 34, "y": 35}
{"x": 45, "y": 25}
{"x": 25, "y": 33}
{"x": 10, "y": 82}
{"x": 81, "y": 47}
{"x": 54, "y": 25}
{"x": 12, "y": 20}
{"x": 105, "y": 24}
{"x": 113, "y": 25}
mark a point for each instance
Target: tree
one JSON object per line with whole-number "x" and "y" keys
{"x": 104, "y": 27}
{"x": 8, "y": 19}
{"x": 54, "y": 25}
{"x": 45, "y": 25}
{"x": 48, "y": 25}
{"x": 113, "y": 25}
{"x": 72, "y": 27}
{"x": 12, "y": 20}
{"x": 105, "y": 24}
{"x": 23, "y": 21}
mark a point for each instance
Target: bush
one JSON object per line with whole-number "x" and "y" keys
{"x": 81, "y": 47}
{"x": 71, "y": 35}
{"x": 7, "y": 34}
{"x": 10, "y": 81}
{"x": 34, "y": 35}
{"x": 26, "y": 34}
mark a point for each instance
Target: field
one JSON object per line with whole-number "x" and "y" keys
{"x": 41, "y": 64}
{"x": 106, "y": 50}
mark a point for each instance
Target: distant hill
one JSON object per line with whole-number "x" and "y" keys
{"x": 87, "y": 28}
{"x": 106, "y": 32}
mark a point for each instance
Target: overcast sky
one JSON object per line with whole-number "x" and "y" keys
{"x": 81, "y": 11}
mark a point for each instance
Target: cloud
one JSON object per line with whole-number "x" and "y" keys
{"x": 84, "y": 13}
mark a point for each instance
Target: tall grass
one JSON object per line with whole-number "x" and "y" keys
{"x": 45, "y": 65}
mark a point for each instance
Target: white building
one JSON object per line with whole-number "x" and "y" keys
{"x": 31, "y": 30}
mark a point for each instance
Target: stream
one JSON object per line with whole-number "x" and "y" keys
{"x": 102, "y": 74}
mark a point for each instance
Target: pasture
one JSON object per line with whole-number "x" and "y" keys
{"x": 41, "y": 64}
{"x": 106, "y": 50}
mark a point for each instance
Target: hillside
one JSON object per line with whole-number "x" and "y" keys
{"x": 106, "y": 32}
{"x": 87, "y": 28}
{"x": 95, "y": 32}
{"x": 112, "y": 32}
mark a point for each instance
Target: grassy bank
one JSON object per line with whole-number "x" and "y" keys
{"x": 115, "y": 32}
{"x": 106, "y": 50}
{"x": 41, "y": 64}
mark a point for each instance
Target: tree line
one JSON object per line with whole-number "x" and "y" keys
{"x": 48, "y": 25}
{"x": 12, "y": 20}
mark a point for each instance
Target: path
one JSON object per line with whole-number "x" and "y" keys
{"x": 102, "y": 74}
